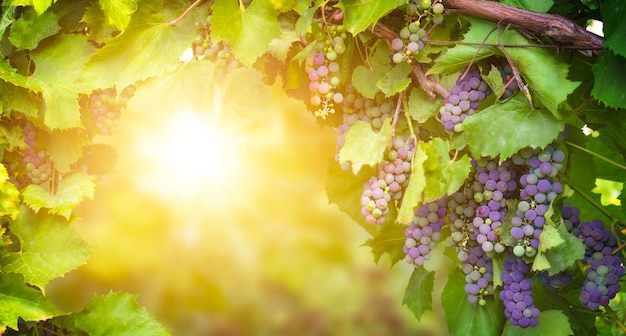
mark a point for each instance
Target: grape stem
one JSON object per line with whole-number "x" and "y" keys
{"x": 595, "y": 154}
{"x": 523, "y": 87}
{"x": 395, "y": 119}
{"x": 506, "y": 45}
{"x": 182, "y": 16}
{"x": 408, "y": 121}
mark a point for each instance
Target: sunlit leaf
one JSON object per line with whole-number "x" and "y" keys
{"x": 118, "y": 12}
{"x": 360, "y": 14}
{"x": 396, "y": 80}
{"x": 248, "y": 31}
{"x": 117, "y": 313}
{"x": 70, "y": 192}
{"x": 65, "y": 148}
{"x": 413, "y": 195}
{"x": 49, "y": 247}
{"x": 30, "y": 29}
{"x": 560, "y": 250}
{"x": 418, "y": 295}
{"x": 363, "y": 146}
{"x": 446, "y": 175}
{"x": 421, "y": 107}
{"x": 504, "y": 129}
{"x": 551, "y": 323}
{"x": 18, "y": 300}
{"x": 390, "y": 239}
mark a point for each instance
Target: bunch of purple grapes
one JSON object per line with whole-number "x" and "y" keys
{"x": 106, "y": 106}
{"x": 37, "y": 162}
{"x": 555, "y": 281}
{"x": 539, "y": 190}
{"x": 602, "y": 278}
{"x": 424, "y": 231}
{"x": 478, "y": 270}
{"x": 464, "y": 99}
{"x": 389, "y": 184}
{"x": 462, "y": 211}
{"x": 517, "y": 293}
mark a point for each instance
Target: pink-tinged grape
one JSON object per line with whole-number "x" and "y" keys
{"x": 322, "y": 70}
{"x": 413, "y": 47}
{"x": 318, "y": 59}
{"x": 333, "y": 67}
{"x": 438, "y": 8}
{"x": 397, "y": 44}
{"x": 338, "y": 98}
{"x": 316, "y": 100}
{"x": 314, "y": 86}
{"x": 313, "y": 75}
{"x": 324, "y": 88}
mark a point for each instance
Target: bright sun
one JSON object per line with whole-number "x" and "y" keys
{"x": 185, "y": 156}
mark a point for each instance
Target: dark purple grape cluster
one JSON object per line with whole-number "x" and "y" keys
{"x": 602, "y": 278}
{"x": 389, "y": 184}
{"x": 571, "y": 218}
{"x": 424, "y": 231}
{"x": 37, "y": 163}
{"x": 106, "y": 106}
{"x": 555, "y": 281}
{"x": 464, "y": 99}
{"x": 517, "y": 292}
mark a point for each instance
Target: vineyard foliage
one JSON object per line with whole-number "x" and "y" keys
{"x": 427, "y": 97}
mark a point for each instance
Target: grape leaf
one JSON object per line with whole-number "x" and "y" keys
{"x": 464, "y": 318}
{"x": 345, "y": 189}
{"x": 57, "y": 68}
{"x": 117, "y": 313}
{"x": 608, "y": 88}
{"x": 70, "y": 192}
{"x": 359, "y": 14}
{"x": 546, "y": 300}
{"x": 48, "y": 248}
{"x": 65, "y": 148}
{"x": 18, "y": 300}
{"x": 20, "y": 99}
{"x": 551, "y": 323}
{"x": 504, "y": 129}
{"x": 607, "y": 146}
{"x": 138, "y": 53}
{"x": 421, "y": 107}
{"x": 9, "y": 195}
{"x": 447, "y": 175}
{"x": 614, "y": 26}
{"x": 539, "y": 6}
{"x": 365, "y": 79}
{"x": 99, "y": 28}
{"x": 363, "y": 146}
{"x": 395, "y": 80}
{"x": 30, "y": 29}
{"x": 248, "y": 31}
{"x": 118, "y": 12}
{"x": 494, "y": 80}
{"x": 413, "y": 195}
{"x": 558, "y": 253}
{"x": 418, "y": 296}
{"x": 390, "y": 239}
{"x": 7, "y": 17}
{"x": 41, "y": 5}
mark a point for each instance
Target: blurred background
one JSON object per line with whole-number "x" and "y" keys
{"x": 228, "y": 231}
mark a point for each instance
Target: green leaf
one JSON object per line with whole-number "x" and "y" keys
{"x": 360, "y": 14}
{"x": 9, "y": 196}
{"x": 57, "y": 68}
{"x": 49, "y": 247}
{"x": 551, "y": 323}
{"x": 418, "y": 296}
{"x": 365, "y": 79}
{"x": 413, "y": 195}
{"x": 421, "y": 107}
{"x": 613, "y": 13}
{"x": 20, "y": 99}
{"x": 608, "y": 88}
{"x": 138, "y": 53}
{"x": 396, "y": 80}
{"x": 464, "y": 318}
{"x": 559, "y": 250}
{"x": 70, "y": 192}
{"x": 363, "y": 146}
{"x": 30, "y": 29}
{"x": 494, "y": 80}
{"x": 563, "y": 300}
{"x": 18, "y": 300}
{"x": 99, "y": 28}
{"x": 118, "y": 12}
{"x": 117, "y": 313}
{"x": 448, "y": 175}
{"x": 539, "y": 6}
{"x": 65, "y": 148}
{"x": 607, "y": 145}
{"x": 345, "y": 189}
{"x": 390, "y": 239}
{"x": 504, "y": 129}
{"x": 248, "y": 31}
{"x": 7, "y": 18}
{"x": 42, "y": 5}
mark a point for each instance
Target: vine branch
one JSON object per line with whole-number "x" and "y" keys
{"x": 596, "y": 155}
{"x": 553, "y": 27}
{"x": 182, "y": 16}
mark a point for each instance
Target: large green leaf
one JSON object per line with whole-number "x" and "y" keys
{"x": 49, "y": 247}
{"x": 563, "y": 300}
{"x": 421, "y": 107}
{"x": 360, "y": 14}
{"x": 118, "y": 12}
{"x": 613, "y": 13}
{"x": 117, "y": 313}
{"x": 65, "y": 148}
{"x": 558, "y": 249}
{"x": 364, "y": 78}
{"x": 30, "y": 29}
{"x": 18, "y": 300}
{"x": 607, "y": 87}
{"x": 551, "y": 323}
{"x": 419, "y": 292}
{"x": 363, "y": 146}
{"x": 57, "y": 68}
{"x": 448, "y": 174}
{"x": 414, "y": 193}
{"x": 396, "y": 80}
{"x": 504, "y": 129}
{"x": 390, "y": 239}
{"x": 249, "y": 31}
{"x": 70, "y": 192}
{"x": 464, "y": 318}
{"x": 138, "y": 53}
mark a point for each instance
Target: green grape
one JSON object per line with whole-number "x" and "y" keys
{"x": 425, "y": 4}
{"x": 398, "y": 58}
{"x": 414, "y": 27}
{"x": 437, "y": 19}
{"x": 411, "y": 9}
{"x": 339, "y": 48}
{"x": 331, "y": 55}
{"x": 519, "y": 250}
{"x": 405, "y": 33}
{"x": 438, "y": 8}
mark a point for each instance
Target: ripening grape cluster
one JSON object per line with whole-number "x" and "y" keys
{"x": 419, "y": 16}
{"x": 106, "y": 107}
{"x": 389, "y": 183}
{"x": 37, "y": 164}
{"x": 517, "y": 292}
{"x": 322, "y": 67}
{"x": 424, "y": 231}
{"x": 464, "y": 99}
{"x": 217, "y": 52}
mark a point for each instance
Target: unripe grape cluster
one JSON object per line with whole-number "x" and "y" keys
{"x": 37, "y": 163}
{"x": 419, "y": 16}
{"x": 217, "y": 52}
{"x": 106, "y": 107}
